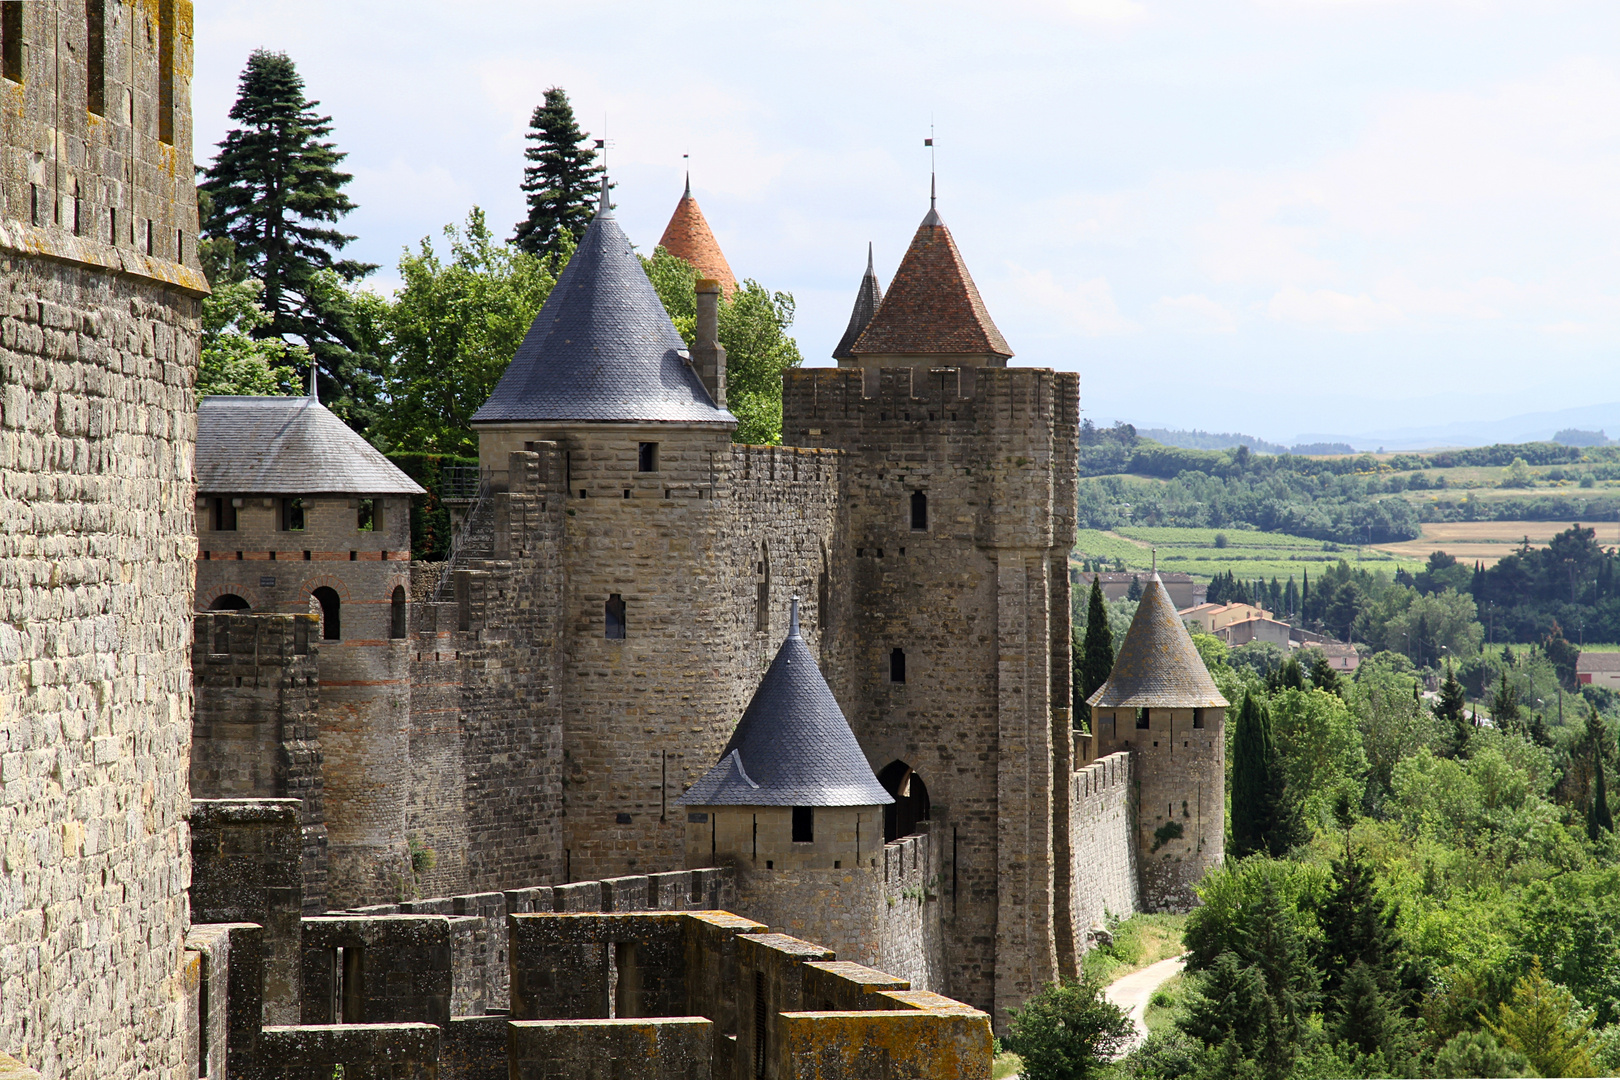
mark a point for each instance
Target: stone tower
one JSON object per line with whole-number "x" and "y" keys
{"x": 1160, "y": 704}
{"x": 646, "y": 643}
{"x": 298, "y": 514}
{"x": 958, "y": 481}
{"x": 99, "y": 304}
{"x": 687, "y": 236}
{"x": 793, "y": 804}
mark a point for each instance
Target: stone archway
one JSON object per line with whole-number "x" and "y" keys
{"x": 910, "y": 800}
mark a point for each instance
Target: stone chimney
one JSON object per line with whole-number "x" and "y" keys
{"x": 708, "y": 355}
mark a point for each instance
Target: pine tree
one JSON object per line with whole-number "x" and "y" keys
{"x": 1135, "y": 591}
{"x": 1097, "y": 652}
{"x": 563, "y": 181}
{"x": 1323, "y": 677}
{"x": 274, "y": 193}
{"x": 1364, "y": 1017}
{"x": 1452, "y": 712}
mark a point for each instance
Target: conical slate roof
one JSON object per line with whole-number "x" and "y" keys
{"x": 687, "y": 236}
{"x": 602, "y": 347}
{"x": 287, "y": 446}
{"x": 867, "y": 299}
{"x": 932, "y": 305}
{"x": 793, "y": 746}
{"x": 1158, "y": 667}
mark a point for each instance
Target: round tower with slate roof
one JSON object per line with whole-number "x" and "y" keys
{"x": 794, "y": 805}
{"x": 1160, "y": 704}
{"x": 604, "y": 386}
{"x": 297, "y": 514}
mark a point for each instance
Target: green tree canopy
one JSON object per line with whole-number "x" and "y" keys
{"x": 1068, "y": 1031}
{"x": 562, "y": 181}
{"x": 753, "y": 329}
{"x": 274, "y": 193}
{"x": 233, "y": 361}
{"x": 454, "y": 327}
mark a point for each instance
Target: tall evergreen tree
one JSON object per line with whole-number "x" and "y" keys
{"x": 563, "y": 180}
{"x": 274, "y": 194}
{"x": 1598, "y": 818}
{"x": 1452, "y": 712}
{"x": 1097, "y": 651}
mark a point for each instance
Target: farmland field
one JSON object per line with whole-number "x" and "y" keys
{"x": 1487, "y": 541}
{"x": 1247, "y": 553}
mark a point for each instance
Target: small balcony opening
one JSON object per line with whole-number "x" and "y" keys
{"x": 613, "y": 622}
{"x": 292, "y": 515}
{"x": 897, "y": 666}
{"x": 396, "y": 623}
{"x": 647, "y": 457}
{"x": 1141, "y": 719}
{"x": 919, "y": 511}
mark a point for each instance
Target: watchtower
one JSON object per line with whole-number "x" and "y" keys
{"x": 645, "y": 679}
{"x": 958, "y": 478}
{"x": 297, "y": 514}
{"x": 793, "y": 804}
{"x": 1160, "y": 704}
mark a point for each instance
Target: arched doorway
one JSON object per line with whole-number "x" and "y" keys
{"x": 330, "y": 611}
{"x": 910, "y": 800}
{"x": 230, "y": 602}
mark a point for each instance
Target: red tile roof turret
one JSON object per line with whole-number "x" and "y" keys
{"x": 687, "y": 236}
{"x": 932, "y": 305}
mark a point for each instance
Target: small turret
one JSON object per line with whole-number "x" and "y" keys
{"x": 867, "y": 298}
{"x": 1160, "y": 704}
{"x": 687, "y": 236}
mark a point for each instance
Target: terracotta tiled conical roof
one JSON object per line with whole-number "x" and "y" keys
{"x": 793, "y": 746}
{"x": 1158, "y": 666}
{"x": 932, "y": 305}
{"x": 867, "y": 299}
{"x": 687, "y": 236}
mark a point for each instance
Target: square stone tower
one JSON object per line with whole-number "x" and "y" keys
{"x": 958, "y": 480}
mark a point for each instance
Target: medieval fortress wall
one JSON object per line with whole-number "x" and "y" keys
{"x": 98, "y": 339}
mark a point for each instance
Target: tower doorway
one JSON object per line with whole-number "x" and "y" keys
{"x": 910, "y": 800}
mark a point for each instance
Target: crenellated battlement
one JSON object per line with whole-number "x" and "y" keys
{"x": 971, "y": 396}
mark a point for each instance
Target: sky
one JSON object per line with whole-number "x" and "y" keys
{"x": 1290, "y": 218}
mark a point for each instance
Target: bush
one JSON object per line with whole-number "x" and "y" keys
{"x": 1068, "y": 1031}
{"x": 1476, "y": 1053}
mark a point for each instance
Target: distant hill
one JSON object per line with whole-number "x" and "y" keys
{"x": 1206, "y": 440}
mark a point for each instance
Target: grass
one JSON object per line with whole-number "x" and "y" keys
{"x": 1161, "y": 1010}
{"x": 1139, "y": 941}
{"x": 1005, "y": 1065}
{"x": 1248, "y": 553}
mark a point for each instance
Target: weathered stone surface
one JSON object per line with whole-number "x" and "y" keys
{"x": 671, "y": 1048}
{"x": 366, "y": 1051}
{"x": 98, "y": 356}
{"x": 393, "y": 969}
{"x": 901, "y": 1045}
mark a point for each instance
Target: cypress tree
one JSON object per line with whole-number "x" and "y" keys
{"x": 274, "y": 193}
{"x": 1452, "y": 712}
{"x": 1598, "y": 819}
{"x": 1097, "y": 652}
{"x": 1323, "y": 677}
{"x": 1135, "y": 591}
{"x": 562, "y": 181}
{"x": 1251, "y": 779}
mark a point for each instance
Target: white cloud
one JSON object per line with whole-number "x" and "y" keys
{"x": 1084, "y": 307}
{"x": 1332, "y": 310}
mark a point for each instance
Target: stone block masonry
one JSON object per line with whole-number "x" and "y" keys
{"x": 1102, "y": 799}
{"x": 255, "y": 728}
{"x": 958, "y": 486}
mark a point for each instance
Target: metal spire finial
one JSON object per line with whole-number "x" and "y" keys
{"x": 605, "y": 206}
{"x": 869, "y": 271}
{"x": 314, "y": 386}
{"x": 793, "y": 617}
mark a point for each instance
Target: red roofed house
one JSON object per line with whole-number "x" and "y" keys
{"x": 1598, "y": 669}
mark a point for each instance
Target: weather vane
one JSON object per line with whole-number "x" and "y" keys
{"x": 929, "y": 142}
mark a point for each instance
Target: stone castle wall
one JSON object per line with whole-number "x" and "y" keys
{"x": 255, "y": 729}
{"x": 1102, "y": 797}
{"x": 98, "y": 355}
{"x": 977, "y": 600}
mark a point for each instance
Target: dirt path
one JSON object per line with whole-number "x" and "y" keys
{"x": 1132, "y": 992}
